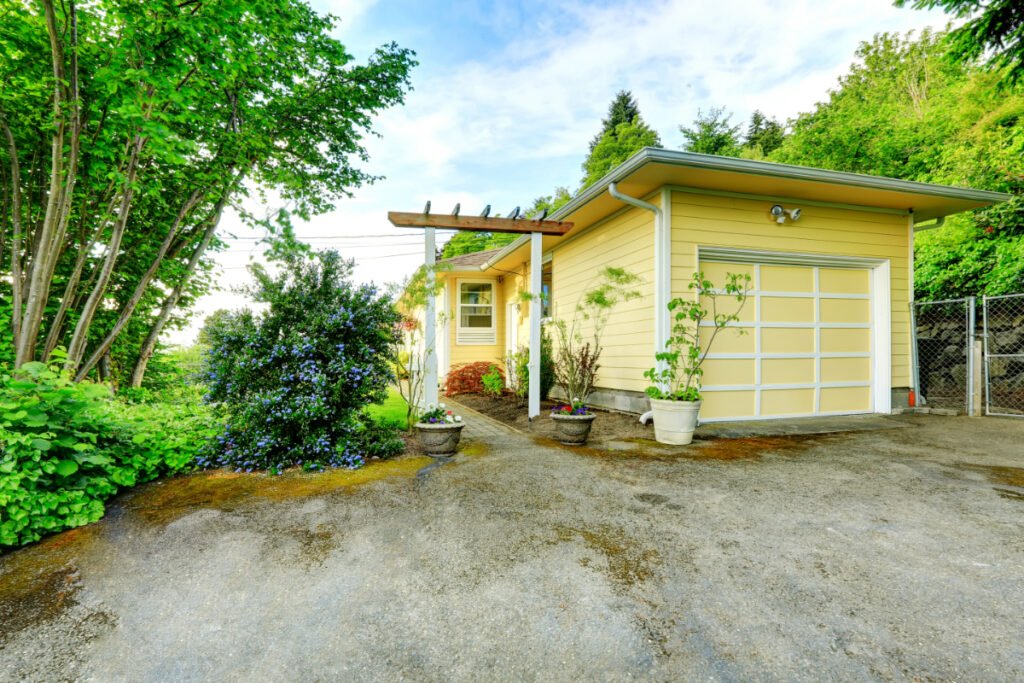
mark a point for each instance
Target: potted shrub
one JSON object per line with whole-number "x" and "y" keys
{"x": 676, "y": 381}
{"x": 576, "y": 364}
{"x": 439, "y": 431}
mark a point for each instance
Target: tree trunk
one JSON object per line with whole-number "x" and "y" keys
{"x": 76, "y": 348}
{"x": 48, "y": 243}
{"x": 149, "y": 345}
{"x": 140, "y": 288}
{"x": 16, "y": 283}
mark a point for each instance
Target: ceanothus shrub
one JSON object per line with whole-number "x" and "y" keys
{"x": 296, "y": 377}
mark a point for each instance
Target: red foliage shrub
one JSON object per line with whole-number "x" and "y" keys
{"x": 466, "y": 378}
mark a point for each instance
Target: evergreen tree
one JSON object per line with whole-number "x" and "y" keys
{"x": 764, "y": 135}
{"x": 623, "y": 109}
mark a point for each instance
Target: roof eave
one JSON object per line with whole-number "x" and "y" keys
{"x": 771, "y": 169}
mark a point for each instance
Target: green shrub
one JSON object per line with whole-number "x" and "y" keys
{"x": 494, "y": 382}
{"x": 547, "y": 365}
{"x": 517, "y": 367}
{"x": 295, "y": 379}
{"x": 68, "y": 447}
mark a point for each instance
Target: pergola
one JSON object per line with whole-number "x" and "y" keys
{"x": 536, "y": 227}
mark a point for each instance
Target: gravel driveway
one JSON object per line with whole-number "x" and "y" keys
{"x": 894, "y": 554}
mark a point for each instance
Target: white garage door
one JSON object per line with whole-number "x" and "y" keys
{"x": 803, "y": 345}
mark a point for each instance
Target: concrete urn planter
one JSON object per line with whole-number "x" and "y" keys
{"x": 572, "y": 430}
{"x": 674, "y": 421}
{"x": 440, "y": 440}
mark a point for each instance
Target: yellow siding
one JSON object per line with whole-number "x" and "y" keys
{"x": 707, "y": 220}
{"x": 515, "y": 284}
{"x": 626, "y": 240}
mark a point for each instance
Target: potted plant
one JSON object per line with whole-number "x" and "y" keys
{"x": 676, "y": 380}
{"x": 576, "y": 364}
{"x": 439, "y": 431}
{"x": 572, "y": 422}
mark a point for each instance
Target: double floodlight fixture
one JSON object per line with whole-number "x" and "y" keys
{"x": 780, "y": 214}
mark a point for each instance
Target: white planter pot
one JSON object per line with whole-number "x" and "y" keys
{"x": 674, "y": 421}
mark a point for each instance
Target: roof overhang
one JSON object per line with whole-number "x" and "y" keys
{"x": 652, "y": 168}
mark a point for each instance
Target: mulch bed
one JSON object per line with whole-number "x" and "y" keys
{"x": 609, "y": 426}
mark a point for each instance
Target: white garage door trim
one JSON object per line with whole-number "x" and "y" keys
{"x": 880, "y": 326}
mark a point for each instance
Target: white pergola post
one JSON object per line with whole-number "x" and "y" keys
{"x": 536, "y": 266}
{"x": 430, "y": 324}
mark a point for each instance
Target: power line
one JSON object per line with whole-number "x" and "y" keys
{"x": 364, "y": 258}
{"x": 343, "y": 237}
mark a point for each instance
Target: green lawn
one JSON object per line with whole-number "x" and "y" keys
{"x": 392, "y": 410}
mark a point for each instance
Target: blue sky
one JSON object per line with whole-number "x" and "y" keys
{"x": 508, "y": 94}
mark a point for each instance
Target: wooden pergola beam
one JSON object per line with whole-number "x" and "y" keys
{"x": 477, "y": 223}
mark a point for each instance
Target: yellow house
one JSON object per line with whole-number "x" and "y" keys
{"x": 826, "y": 330}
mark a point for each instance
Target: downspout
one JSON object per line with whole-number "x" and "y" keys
{"x": 662, "y": 275}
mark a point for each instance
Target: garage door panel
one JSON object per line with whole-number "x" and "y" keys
{"x": 845, "y": 369}
{"x": 844, "y": 281}
{"x": 776, "y": 309}
{"x": 787, "y": 279}
{"x": 729, "y": 372}
{"x": 845, "y": 399}
{"x": 787, "y": 340}
{"x": 729, "y": 340}
{"x": 845, "y": 341}
{"x": 730, "y": 306}
{"x": 787, "y": 401}
{"x": 718, "y": 273}
{"x": 727, "y": 405}
{"x": 787, "y": 371}
{"x": 845, "y": 311}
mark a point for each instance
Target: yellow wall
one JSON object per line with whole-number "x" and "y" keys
{"x": 626, "y": 240}
{"x": 708, "y": 220}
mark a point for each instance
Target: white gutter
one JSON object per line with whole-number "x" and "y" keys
{"x": 937, "y": 223}
{"x": 662, "y": 267}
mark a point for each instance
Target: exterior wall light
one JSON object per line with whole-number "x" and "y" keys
{"x": 780, "y": 214}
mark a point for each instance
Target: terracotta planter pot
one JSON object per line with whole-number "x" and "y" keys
{"x": 573, "y": 430}
{"x": 674, "y": 421}
{"x": 440, "y": 440}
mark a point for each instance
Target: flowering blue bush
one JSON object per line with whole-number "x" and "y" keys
{"x": 295, "y": 379}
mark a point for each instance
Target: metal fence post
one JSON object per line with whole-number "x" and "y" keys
{"x": 970, "y": 354}
{"x": 988, "y": 383}
{"x": 915, "y": 368}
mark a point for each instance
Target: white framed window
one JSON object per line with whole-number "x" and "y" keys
{"x": 475, "y": 315}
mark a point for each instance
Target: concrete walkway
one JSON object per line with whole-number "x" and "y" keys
{"x": 892, "y": 554}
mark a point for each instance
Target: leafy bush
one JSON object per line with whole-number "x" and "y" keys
{"x": 67, "y": 447}
{"x": 494, "y": 382}
{"x": 547, "y": 365}
{"x": 467, "y": 378}
{"x": 294, "y": 379}
{"x": 517, "y": 367}
{"x": 680, "y": 369}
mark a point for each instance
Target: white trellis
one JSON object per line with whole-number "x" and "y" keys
{"x": 536, "y": 227}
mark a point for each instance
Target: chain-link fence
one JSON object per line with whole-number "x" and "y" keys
{"x": 1004, "y": 355}
{"x": 942, "y": 351}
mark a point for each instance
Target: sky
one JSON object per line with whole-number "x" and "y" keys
{"x": 508, "y": 94}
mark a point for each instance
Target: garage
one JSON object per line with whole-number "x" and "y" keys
{"x": 806, "y": 341}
